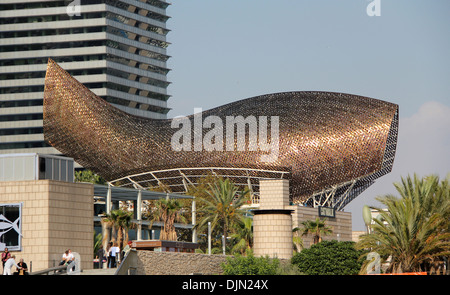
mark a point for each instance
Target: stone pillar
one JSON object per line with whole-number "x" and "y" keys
{"x": 272, "y": 223}
{"x": 274, "y": 194}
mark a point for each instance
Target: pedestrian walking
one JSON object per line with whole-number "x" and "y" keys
{"x": 100, "y": 256}
{"x": 114, "y": 253}
{"x": 108, "y": 254}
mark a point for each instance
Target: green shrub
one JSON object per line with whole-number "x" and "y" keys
{"x": 329, "y": 258}
{"x": 286, "y": 268}
{"x": 250, "y": 265}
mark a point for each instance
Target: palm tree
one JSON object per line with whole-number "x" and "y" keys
{"x": 97, "y": 242}
{"x": 168, "y": 211}
{"x": 296, "y": 239}
{"x": 243, "y": 235}
{"x": 120, "y": 220}
{"x": 200, "y": 192}
{"x": 317, "y": 228}
{"x": 222, "y": 208}
{"x": 414, "y": 229}
{"x": 88, "y": 176}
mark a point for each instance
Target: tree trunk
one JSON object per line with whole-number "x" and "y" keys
{"x": 105, "y": 235}
{"x": 224, "y": 239}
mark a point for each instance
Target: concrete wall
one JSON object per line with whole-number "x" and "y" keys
{"x": 56, "y": 216}
{"x": 357, "y": 234}
{"x": 341, "y": 225}
{"x": 175, "y": 263}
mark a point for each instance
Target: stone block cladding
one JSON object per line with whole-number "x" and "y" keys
{"x": 341, "y": 225}
{"x": 272, "y": 223}
{"x": 273, "y": 235}
{"x": 175, "y": 263}
{"x": 56, "y": 216}
{"x": 274, "y": 194}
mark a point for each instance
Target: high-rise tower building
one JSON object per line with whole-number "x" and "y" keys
{"x": 115, "y": 48}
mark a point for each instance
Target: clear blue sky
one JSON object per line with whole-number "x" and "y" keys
{"x": 224, "y": 51}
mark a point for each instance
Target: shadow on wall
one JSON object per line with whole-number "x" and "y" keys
{"x": 170, "y": 263}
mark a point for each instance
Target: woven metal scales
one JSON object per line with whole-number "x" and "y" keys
{"x": 331, "y": 146}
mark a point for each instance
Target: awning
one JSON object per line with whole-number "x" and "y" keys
{"x": 131, "y": 194}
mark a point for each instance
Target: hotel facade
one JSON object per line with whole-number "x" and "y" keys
{"x": 115, "y": 48}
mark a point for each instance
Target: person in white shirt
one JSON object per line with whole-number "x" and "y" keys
{"x": 113, "y": 254}
{"x": 9, "y": 264}
{"x": 67, "y": 258}
{"x": 70, "y": 258}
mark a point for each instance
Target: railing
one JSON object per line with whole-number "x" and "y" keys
{"x": 72, "y": 268}
{"x": 57, "y": 270}
{"x": 128, "y": 266}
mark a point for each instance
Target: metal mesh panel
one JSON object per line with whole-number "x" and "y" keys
{"x": 326, "y": 140}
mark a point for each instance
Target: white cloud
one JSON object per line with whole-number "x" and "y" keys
{"x": 423, "y": 148}
{"x": 424, "y": 141}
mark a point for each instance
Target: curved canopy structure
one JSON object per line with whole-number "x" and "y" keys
{"x": 331, "y": 146}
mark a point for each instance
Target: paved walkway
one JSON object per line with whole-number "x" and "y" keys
{"x": 101, "y": 272}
